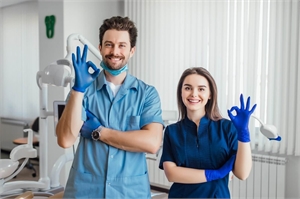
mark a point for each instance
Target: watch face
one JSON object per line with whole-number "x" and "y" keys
{"x": 95, "y": 135}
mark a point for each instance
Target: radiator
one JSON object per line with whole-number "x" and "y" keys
{"x": 157, "y": 176}
{"x": 266, "y": 180}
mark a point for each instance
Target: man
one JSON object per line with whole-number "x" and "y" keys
{"x": 119, "y": 118}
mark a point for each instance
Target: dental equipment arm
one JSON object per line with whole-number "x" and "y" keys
{"x": 270, "y": 131}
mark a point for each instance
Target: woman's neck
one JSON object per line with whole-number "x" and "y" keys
{"x": 195, "y": 116}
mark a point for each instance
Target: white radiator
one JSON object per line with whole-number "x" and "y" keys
{"x": 157, "y": 176}
{"x": 266, "y": 180}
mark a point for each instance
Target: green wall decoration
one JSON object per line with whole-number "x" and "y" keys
{"x": 50, "y": 22}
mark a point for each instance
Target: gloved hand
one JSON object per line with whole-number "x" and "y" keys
{"x": 221, "y": 172}
{"x": 89, "y": 125}
{"x": 82, "y": 76}
{"x": 241, "y": 120}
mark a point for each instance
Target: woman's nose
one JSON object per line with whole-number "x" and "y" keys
{"x": 195, "y": 93}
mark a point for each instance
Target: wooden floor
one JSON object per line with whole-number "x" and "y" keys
{"x": 26, "y": 174}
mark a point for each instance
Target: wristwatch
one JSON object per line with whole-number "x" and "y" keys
{"x": 96, "y": 134}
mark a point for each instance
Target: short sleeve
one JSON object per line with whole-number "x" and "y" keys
{"x": 152, "y": 108}
{"x": 167, "y": 154}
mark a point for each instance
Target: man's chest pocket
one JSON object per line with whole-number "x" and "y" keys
{"x": 133, "y": 123}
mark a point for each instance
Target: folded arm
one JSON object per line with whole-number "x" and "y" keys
{"x": 185, "y": 175}
{"x": 148, "y": 139}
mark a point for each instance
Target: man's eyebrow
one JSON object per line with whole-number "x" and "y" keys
{"x": 122, "y": 42}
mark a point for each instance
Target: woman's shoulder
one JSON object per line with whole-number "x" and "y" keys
{"x": 174, "y": 126}
{"x": 224, "y": 122}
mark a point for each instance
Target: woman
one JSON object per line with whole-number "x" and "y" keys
{"x": 202, "y": 141}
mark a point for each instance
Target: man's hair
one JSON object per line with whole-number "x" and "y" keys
{"x": 121, "y": 24}
{"x": 211, "y": 108}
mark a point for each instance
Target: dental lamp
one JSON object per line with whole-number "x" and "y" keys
{"x": 67, "y": 61}
{"x": 268, "y": 130}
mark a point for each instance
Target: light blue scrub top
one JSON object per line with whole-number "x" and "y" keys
{"x": 103, "y": 171}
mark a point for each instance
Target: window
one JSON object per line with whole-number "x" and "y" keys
{"x": 250, "y": 47}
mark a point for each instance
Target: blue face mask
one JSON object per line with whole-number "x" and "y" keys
{"x": 114, "y": 72}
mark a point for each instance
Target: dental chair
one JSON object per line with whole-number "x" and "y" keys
{"x": 35, "y": 143}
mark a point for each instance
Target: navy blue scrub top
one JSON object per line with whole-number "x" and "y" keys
{"x": 208, "y": 148}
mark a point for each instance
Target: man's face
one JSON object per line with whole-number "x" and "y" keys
{"x": 116, "y": 49}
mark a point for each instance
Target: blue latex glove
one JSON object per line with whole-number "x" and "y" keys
{"x": 241, "y": 120}
{"x": 83, "y": 78}
{"x": 221, "y": 172}
{"x": 89, "y": 125}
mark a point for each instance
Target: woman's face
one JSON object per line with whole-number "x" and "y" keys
{"x": 195, "y": 93}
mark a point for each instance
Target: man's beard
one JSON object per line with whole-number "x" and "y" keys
{"x": 113, "y": 57}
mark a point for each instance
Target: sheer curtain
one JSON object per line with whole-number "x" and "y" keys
{"x": 250, "y": 47}
{"x": 19, "y": 93}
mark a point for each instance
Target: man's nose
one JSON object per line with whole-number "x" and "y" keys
{"x": 115, "y": 51}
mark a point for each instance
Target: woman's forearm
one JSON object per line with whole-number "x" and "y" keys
{"x": 243, "y": 162}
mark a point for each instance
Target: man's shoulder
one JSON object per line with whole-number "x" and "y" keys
{"x": 141, "y": 84}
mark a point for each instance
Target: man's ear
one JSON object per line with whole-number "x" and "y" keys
{"x": 132, "y": 51}
{"x": 100, "y": 47}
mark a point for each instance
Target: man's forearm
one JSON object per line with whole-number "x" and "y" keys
{"x": 70, "y": 122}
{"x": 147, "y": 140}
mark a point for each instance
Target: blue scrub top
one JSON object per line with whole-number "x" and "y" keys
{"x": 103, "y": 171}
{"x": 208, "y": 148}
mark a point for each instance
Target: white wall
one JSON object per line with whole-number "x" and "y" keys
{"x": 292, "y": 185}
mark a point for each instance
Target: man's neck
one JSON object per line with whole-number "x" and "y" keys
{"x": 116, "y": 80}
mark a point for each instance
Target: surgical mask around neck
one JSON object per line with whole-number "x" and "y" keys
{"x": 114, "y": 72}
